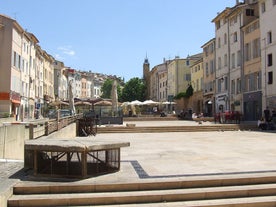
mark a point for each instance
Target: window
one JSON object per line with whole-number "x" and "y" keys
{"x": 212, "y": 66}
{"x": 263, "y": 7}
{"x": 219, "y": 42}
{"x": 206, "y": 69}
{"x": 225, "y": 60}
{"x": 235, "y": 37}
{"x": 238, "y": 86}
{"x": 225, "y": 39}
{"x": 269, "y": 37}
{"x": 188, "y": 77}
{"x": 249, "y": 12}
{"x": 14, "y": 59}
{"x": 247, "y": 52}
{"x": 219, "y": 85}
{"x": 233, "y": 60}
{"x": 219, "y": 63}
{"x": 225, "y": 83}
{"x": 218, "y": 25}
{"x": 269, "y": 60}
{"x": 233, "y": 85}
{"x": 256, "y": 48}
{"x": 239, "y": 58}
{"x": 270, "y": 77}
{"x": 259, "y": 79}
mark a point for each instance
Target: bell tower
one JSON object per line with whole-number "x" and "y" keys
{"x": 146, "y": 76}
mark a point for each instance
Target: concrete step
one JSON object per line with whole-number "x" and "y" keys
{"x": 135, "y": 197}
{"x": 196, "y": 128}
{"x": 56, "y": 188}
{"x": 267, "y": 201}
{"x": 240, "y": 191}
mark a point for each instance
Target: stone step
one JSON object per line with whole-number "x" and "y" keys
{"x": 196, "y": 128}
{"x": 267, "y": 201}
{"x": 56, "y": 188}
{"x": 136, "y": 197}
{"x": 188, "y": 192}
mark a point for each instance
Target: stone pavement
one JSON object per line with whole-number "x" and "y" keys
{"x": 177, "y": 155}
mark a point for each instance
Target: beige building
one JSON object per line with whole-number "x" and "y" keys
{"x": 179, "y": 74}
{"x": 158, "y": 82}
{"x": 15, "y": 51}
{"x": 163, "y": 86}
{"x": 48, "y": 70}
{"x": 252, "y": 91}
{"x": 230, "y": 54}
{"x": 209, "y": 77}
{"x": 197, "y": 84}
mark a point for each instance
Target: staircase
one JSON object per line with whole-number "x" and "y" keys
{"x": 253, "y": 191}
{"x": 193, "y": 128}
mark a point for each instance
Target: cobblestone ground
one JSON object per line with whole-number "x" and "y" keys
{"x": 11, "y": 170}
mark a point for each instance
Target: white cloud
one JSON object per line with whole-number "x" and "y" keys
{"x": 67, "y": 50}
{"x": 59, "y": 57}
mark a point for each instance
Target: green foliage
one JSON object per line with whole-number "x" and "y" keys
{"x": 119, "y": 93}
{"x": 134, "y": 90}
{"x": 180, "y": 95}
{"x": 189, "y": 92}
{"x": 106, "y": 88}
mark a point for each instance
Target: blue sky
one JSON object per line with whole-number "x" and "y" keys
{"x": 114, "y": 36}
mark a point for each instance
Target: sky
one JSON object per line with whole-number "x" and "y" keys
{"x": 114, "y": 37}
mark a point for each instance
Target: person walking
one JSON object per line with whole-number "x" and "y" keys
{"x": 267, "y": 114}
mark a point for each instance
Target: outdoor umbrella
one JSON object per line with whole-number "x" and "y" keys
{"x": 150, "y": 102}
{"x": 136, "y": 103}
{"x": 103, "y": 103}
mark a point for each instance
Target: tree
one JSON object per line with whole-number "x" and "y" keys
{"x": 134, "y": 90}
{"x": 106, "y": 88}
{"x": 189, "y": 92}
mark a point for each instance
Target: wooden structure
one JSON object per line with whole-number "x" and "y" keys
{"x": 87, "y": 126}
{"x": 78, "y": 157}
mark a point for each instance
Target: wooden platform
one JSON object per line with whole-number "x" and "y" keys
{"x": 78, "y": 157}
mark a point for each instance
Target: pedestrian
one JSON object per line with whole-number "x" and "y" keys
{"x": 262, "y": 124}
{"x": 267, "y": 114}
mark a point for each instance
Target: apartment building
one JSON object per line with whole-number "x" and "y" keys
{"x": 252, "y": 75}
{"x": 60, "y": 81}
{"x": 163, "y": 86}
{"x": 197, "y": 84}
{"x": 222, "y": 62}
{"x": 267, "y": 12}
{"x": 48, "y": 81}
{"x": 158, "y": 82}
{"x": 209, "y": 77}
{"x": 179, "y": 75}
{"x": 15, "y": 60}
{"x": 32, "y": 48}
{"x": 86, "y": 83}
